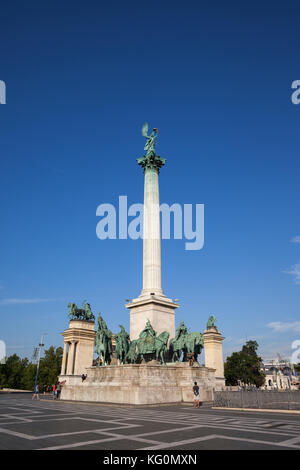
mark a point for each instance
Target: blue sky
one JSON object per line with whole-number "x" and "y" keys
{"x": 215, "y": 78}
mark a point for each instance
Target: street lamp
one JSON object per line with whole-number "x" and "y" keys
{"x": 41, "y": 344}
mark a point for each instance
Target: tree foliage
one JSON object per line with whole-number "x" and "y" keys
{"x": 297, "y": 367}
{"x": 50, "y": 367}
{"x": 20, "y": 374}
{"x": 244, "y": 366}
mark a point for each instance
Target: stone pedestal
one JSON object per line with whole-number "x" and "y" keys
{"x": 79, "y": 342}
{"x": 139, "y": 384}
{"x": 214, "y": 354}
{"x": 159, "y": 310}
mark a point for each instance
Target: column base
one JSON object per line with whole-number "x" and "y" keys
{"x": 151, "y": 292}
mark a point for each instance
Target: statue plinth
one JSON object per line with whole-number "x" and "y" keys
{"x": 140, "y": 384}
{"x": 158, "y": 309}
{"x": 79, "y": 341}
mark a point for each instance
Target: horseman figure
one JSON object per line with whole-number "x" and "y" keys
{"x": 186, "y": 343}
{"x": 177, "y": 344}
{"x": 149, "y": 343}
{"x": 84, "y": 313}
{"x": 88, "y": 314}
{"x": 73, "y": 311}
{"x": 122, "y": 344}
{"x": 148, "y": 333}
{"x": 131, "y": 355}
{"x": 103, "y": 342}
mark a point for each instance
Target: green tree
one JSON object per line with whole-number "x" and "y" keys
{"x": 29, "y": 376}
{"x": 232, "y": 369}
{"x": 297, "y": 367}
{"x": 244, "y": 366}
{"x": 50, "y": 367}
{"x": 20, "y": 373}
{"x": 12, "y": 372}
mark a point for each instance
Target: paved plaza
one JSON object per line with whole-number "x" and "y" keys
{"x": 55, "y": 425}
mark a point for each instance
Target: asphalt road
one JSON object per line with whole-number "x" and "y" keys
{"x": 55, "y": 425}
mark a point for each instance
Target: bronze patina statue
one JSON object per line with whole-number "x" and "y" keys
{"x": 84, "y": 313}
{"x": 132, "y": 354}
{"x": 149, "y": 343}
{"x": 211, "y": 321}
{"x": 103, "y": 342}
{"x": 150, "y": 159}
{"x": 186, "y": 343}
{"x": 147, "y": 331}
{"x": 122, "y": 345}
{"x": 149, "y": 146}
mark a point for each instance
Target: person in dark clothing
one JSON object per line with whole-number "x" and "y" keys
{"x": 196, "y": 395}
{"x": 58, "y": 390}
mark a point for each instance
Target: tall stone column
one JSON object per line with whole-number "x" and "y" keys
{"x": 152, "y": 304}
{"x": 151, "y": 235}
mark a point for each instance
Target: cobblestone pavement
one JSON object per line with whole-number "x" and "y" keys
{"x": 47, "y": 424}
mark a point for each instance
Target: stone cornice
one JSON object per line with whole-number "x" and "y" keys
{"x": 151, "y": 300}
{"x": 212, "y": 336}
{"x": 76, "y": 334}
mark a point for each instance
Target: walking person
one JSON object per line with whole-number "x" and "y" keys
{"x": 53, "y": 391}
{"x": 196, "y": 395}
{"x": 36, "y": 392}
{"x": 58, "y": 390}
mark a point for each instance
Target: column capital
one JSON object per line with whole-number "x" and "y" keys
{"x": 151, "y": 162}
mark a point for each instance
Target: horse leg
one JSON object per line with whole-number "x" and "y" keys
{"x": 156, "y": 356}
{"x": 161, "y": 353}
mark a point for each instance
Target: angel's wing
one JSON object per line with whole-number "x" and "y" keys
{"x": 145, "y": 130}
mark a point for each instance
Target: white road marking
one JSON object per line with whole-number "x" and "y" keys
{"x": 294, "y": 440}
{"x": 285, "y": 430}
{"x": 217, "y": 436}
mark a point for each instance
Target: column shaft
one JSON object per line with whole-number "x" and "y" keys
{"x": 152, "y": 239}
{"x": 63, "y": 365}
{"x": 71, "y": 358}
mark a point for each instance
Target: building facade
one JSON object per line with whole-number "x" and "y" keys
{"x": 280, "y": 375}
